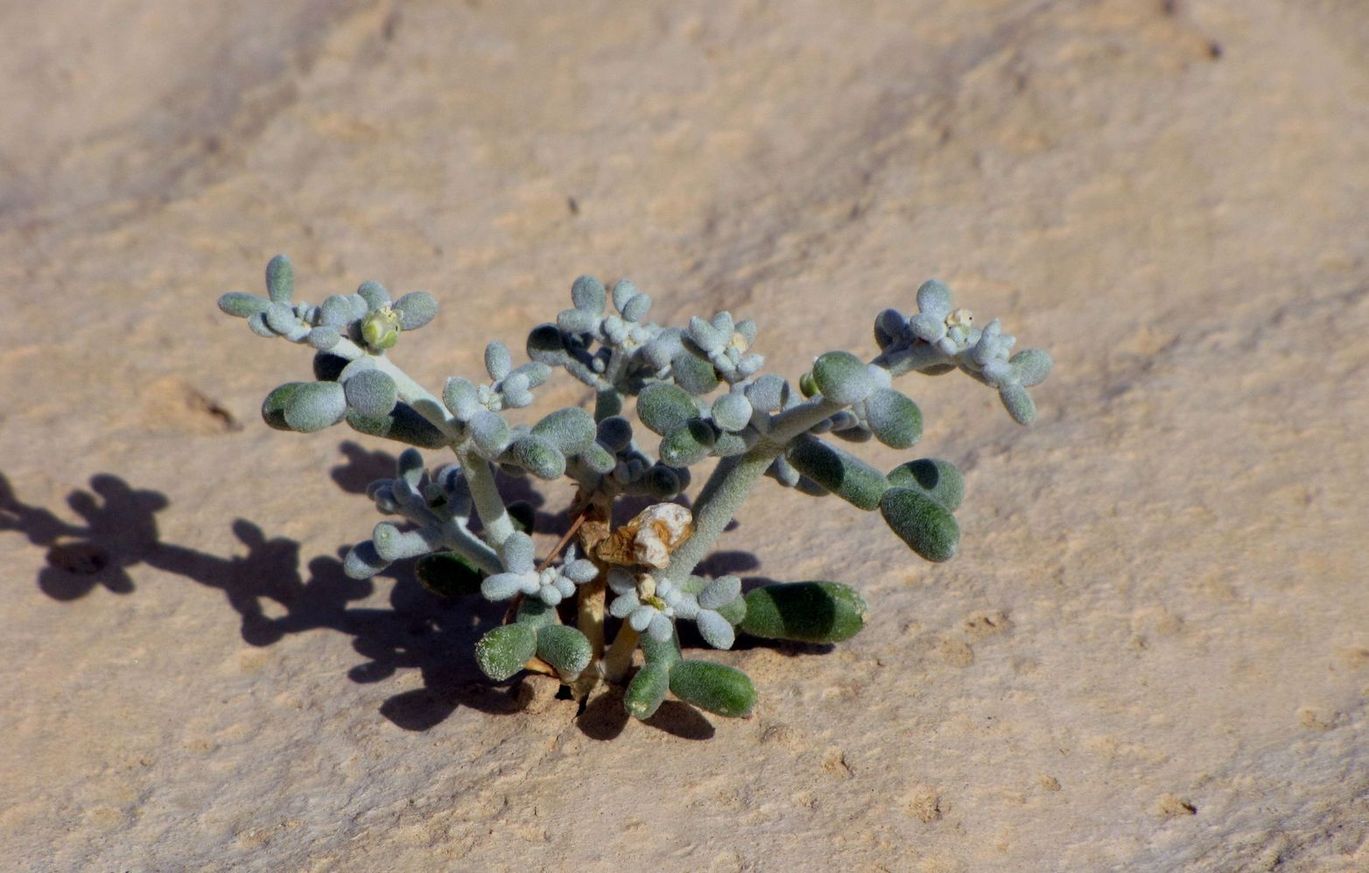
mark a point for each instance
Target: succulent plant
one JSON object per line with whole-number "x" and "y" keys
{"x": 698, "y": 396}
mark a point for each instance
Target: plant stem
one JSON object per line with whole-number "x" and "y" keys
{"x": 726, "y": 490}
{"x": 565, "y": 538}
{"x": 618, "y": 659}
{"x": 458, "y": 539}
{"x": 489, "y": 503}
{"x": 412, "y": 393}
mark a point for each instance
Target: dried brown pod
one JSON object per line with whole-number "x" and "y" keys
{"x": 648, "y": 539}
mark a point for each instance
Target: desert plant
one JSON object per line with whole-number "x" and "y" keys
{"x": 698, "y": 388}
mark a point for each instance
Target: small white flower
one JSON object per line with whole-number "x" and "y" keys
{"x": 551, "y": 585}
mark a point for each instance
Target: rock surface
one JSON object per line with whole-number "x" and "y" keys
{"x": 1151, "y": 654}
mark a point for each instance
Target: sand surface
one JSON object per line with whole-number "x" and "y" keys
{"x": 1151, "y": 654}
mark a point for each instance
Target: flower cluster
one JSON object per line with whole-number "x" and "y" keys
{"x": 551, "y": 584}
{"x": 651, "y": 605}
{"x": 940, "y": 338}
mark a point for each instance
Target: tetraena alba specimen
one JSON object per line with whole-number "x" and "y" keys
{"x": 698, "y": 396}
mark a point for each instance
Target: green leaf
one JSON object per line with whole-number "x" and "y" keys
{"x": 1018, "y": 403}
{"x": 448, "y": 574}
{"x": 939, "y": 479}
{"x": 587, "y": 293}
{"x": 241, "y": 305}
{"x": 842, "y": 377}
{"x": 843, "y": 474}
{"x": 693, "y": 373}
{"x": 808, "y": 612}
{"x": 934, "y": 298}
{"x": 280, "y": 279}
{"x": 687, "y": 445}
{"x": 731, "y": 412}
{"x": 716, "y": 688}
{"x": 572, "y": 430}
{"x": 403, "y": 424}
{"x": 537, "y": 456}
{"x": 328, "y": 367}
{"x": 372, "y": 393}
{"x": 923, "y": 523}
{"x": 1032, "y": 366}
{"x": 545, "y": 345}
{"x": 314, "y": 406}
{"x": 273, "y": 407}
{"x": 647, "y": 691}
{"x": 565, "y": 648}
{"x": 894, "y": 419}
{"x": 415, "y": 310}
{"x": 503, "y": 651}
{"x": 664, "y": 408}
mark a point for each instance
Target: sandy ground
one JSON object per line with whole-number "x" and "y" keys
{"x": 1151, "y": 654}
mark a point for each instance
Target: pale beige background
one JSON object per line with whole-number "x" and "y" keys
{"x": 1151, "y": 654}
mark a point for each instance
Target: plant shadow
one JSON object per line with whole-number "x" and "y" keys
{"x": 118, "y": 532}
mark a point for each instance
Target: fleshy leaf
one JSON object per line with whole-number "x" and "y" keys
{"x": 924, "y": 524}
{"x": 448, "y": 574}
{"x": 843, "y": 474}
{"x": 314, "y": 406}
{"x": 503, "y": 651}
{"x": 565, "y": 648}
{"x": 716, "y": 688}
{"x": 808, "y": 612}
{"x": 665, "y": 408}
{"x": 894, "y": 419}
{"x": 939, "y": 479}
{"x": 371, "y": 393}
{"x": 842, "y": 377}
